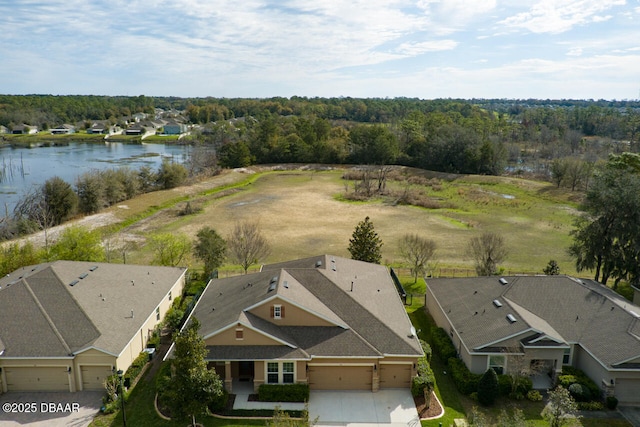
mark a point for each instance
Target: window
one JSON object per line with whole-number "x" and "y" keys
{"x": 287, "y": 372}
{"x": 272, "y": 373}
{"x": 277, "y": 312}
{"x": 566, "y": 357}
{"x": 497, "y": 364}
{"x": 170, "y": 296}
{"x": 281, "y": 372}
{"x": 239, "y": 334}
{"x": 157, "y": 313}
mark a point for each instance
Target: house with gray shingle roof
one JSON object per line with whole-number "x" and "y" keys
{"x": 66, "y": 325}
{"x": 554, "y": 320}
{"x": 330, "y": 322}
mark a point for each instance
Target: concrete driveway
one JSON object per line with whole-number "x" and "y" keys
{"x": 348, "y": 408}
{"x": 631, "y": 413}
{"x": 46, "y": 409}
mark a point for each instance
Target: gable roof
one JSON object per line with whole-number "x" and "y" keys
{"x": 368, "y": 318}
{"x": 562, "y": 308}
{"x": 73, "y": 306}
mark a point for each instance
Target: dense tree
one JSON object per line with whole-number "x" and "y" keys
{"x": 365, "y": 245}
{"x": 169, "y": 249}
{"x": 417, "y": 252}
{"x": 90, "y": 190}
{"x": 77, "y": 243}
{"x": 14, "y": 256}
{"x": 373, "y": 145}
{"x": 247, "y": 245}
{"x": 210, "y": 248}
{"x": 193, "y": 387}
{"x": 171, "y": 175}
{"x": 234, "y": 155}
{"x": 60, "y": 200}
{"x": 487, "y": 251}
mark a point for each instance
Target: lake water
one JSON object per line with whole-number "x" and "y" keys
{"x": 23, "y": 168}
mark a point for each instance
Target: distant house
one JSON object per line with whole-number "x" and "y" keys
{"x": 174, "y": 128}
{"x": 64, "y": 129}
{"x": 330, "y": 322}
{"x": 3, "y": 129}
{"x": 24, "y": 129}
{"x": 66, "y": 325}
{"x": 553, "y": 321}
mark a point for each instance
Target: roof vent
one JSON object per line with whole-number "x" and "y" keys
{"x": 511, "y": 318}
{"x": 285, "y": 284}
{"x": 94, "y": 268}
{"x": 497, "y": 303}
{"x": 318, "y": 263}
{"x": 83, "y": 275}
{"x": 274, "y": 279}
{"x": 272, "y": 287}
{"x": 503, "y": 281}
{"x": 75, "y": 282}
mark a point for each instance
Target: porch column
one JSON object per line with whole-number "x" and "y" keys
{"x": 375, "y": 380}
{"x": 228, "y": 380}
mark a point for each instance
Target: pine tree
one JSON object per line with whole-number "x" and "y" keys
{"x": 365, "y": 245}
{"x": 488, "y": 387}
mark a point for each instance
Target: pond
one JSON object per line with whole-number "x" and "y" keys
{"x": 23, "y": 168}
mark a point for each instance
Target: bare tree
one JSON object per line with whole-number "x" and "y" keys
{"x": 417, "y": 252}
{"x": 247, "y": 245}
{"x": 487, "y": 251}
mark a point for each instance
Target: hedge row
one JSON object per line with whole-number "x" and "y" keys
{"x": 283, "y": 393}
{"x": 442, "y": 344}
{"x": 425, "y": 378}
{"x": 587, "y": 390}
{"x": 466, "y": 382}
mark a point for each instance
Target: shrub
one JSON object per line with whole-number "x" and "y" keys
{"x": 442, "y": 345}
{"x": 590, "y": 406}
{"x": 582, "y": 378}
{"x": 427, "y": 350}
{"x": 220, "y": 402}
{"x": 136, "y": 367}
{"x": 516, "y": 395}
{"x": 579, "y": 392}
{"x": 611, "y": 402}
{"x": 566, "y": 380}
{"x": 504, "y": 384}
{"x": 425, "y": 378}
{"x": 525, "y": 385}
{"x": 283, "y": 392}
{"x": 488, "y": 387}
{"x": 534, "y": 396}
{"x": 465, "y": 381}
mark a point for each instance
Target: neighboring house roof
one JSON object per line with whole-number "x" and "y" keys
{"x": 65, "y": 318}
{"x": 366, "y": 319}
{"x": 554, "y": 309}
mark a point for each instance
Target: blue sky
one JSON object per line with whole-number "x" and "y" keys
{"x": 582, "y": 49}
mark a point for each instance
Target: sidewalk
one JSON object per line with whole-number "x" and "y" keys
{"x": 242, "y": 390}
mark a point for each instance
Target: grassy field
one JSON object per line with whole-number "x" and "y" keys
{"x": 303, "y": 213}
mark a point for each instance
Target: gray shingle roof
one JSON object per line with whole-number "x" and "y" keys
{"x": 94, "y": 312}
{"x": 370, "y": 321}
{"x": 570, "y": 310}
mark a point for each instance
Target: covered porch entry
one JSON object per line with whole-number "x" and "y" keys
{"x": 247, "y": 373}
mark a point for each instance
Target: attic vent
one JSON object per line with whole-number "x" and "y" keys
{"x": 511, "y": 318}
{"x": 497, "y": 303}
{"x": 272, "y": 287}
{"x": 94, "y": 268}
{"x": 318, "y": 263}
{"x": 503, "y": 281}
{"x": 75, "y": 282}
{"x": 83, "y": 275}
{"x": 274, "y": 279}
{"x": 285, "y": 284}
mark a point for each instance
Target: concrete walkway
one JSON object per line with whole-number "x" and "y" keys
{"x": 363, "y": 408}
{"x": 631, "y": 413}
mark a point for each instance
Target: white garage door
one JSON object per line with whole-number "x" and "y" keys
{"x": 340, "y": 377}
{"x": 93, "y": 376}
{"x": 37, "y": 379}
{"x": 395, "y": 376}
{"x": 628, "y": 390}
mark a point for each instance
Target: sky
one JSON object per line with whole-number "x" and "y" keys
{"x": 516, "y": 49}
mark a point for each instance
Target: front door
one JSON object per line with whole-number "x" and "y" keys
{"x": 246, "y": 371}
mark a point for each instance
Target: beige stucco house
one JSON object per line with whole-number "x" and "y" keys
{"x": 330, "y": 322}
{"x": 66, "y": 325}
{"x": 552, "y": 321}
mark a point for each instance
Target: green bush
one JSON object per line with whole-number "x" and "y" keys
{"x": 220, "y": 402}
{"x": 516, "y": 396}
{"x": 525, "y": 385}
{"x": 488, "y": 390}
{"x": 427, "y": 350}
{"x": 566, "y": 380}
{"x": 465, "y": 381}
{"x": 580, "y": 377}
{"x": 611, "y": 402}
{"x": 283, "y": 392}
{"x": 136, "y": 367}
{"x": 425, "y": 377}
{"x": 590, "y": 406}
{"x": 442, "y": 345}
{"x": 504, "y": 384}
{"x": 534, "y": 396}
{"x": 579, "y": 392}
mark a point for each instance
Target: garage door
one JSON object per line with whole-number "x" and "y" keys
{"x": 37, "y": 379}
{"x": 340, "y": 377}
{"x": 395, "y": 376}
{"x": 628, "y": 391}
{"x": 93, "y": 376}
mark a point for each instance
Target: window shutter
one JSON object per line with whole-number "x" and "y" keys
{"x": 282, "y": 311}
{"x": 272, "y": 311}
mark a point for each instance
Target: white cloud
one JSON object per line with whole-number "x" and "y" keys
{"x": 414, "y": 49}
{"x": 557, "y": 16}
{"x": 576, "y": 51}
